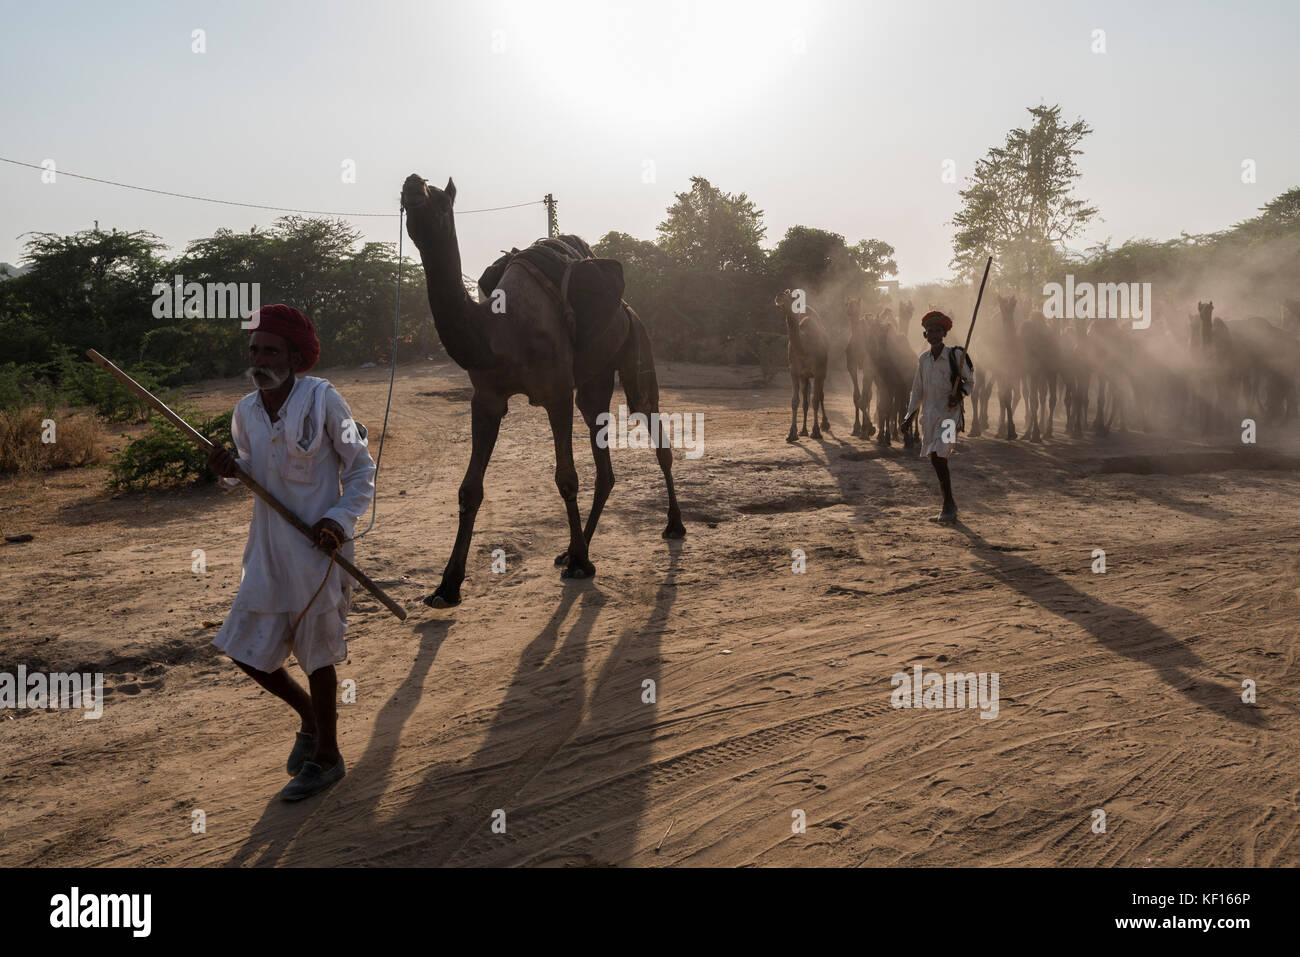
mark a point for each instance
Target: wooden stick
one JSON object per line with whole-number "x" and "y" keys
{"x": 956, "y": 386}
{"x": 203, "y": 442}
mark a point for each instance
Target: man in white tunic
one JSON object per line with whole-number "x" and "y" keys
{"x": 297, "y": 438}
{"x": 941, "y": 411}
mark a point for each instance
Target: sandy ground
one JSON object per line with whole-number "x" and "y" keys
{"x": 1118, "y": 691}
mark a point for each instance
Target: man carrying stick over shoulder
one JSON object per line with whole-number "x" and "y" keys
{"x": 296, "y": 437}
{"x": 939, "y": 403}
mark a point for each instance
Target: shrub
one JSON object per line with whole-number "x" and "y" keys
{"x": 164, "y": 458}
{"x": 85, "y": 383}
{"x": 79, "y": 440}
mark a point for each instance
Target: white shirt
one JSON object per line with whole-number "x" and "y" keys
{"x": 302, "y": 466}
{"x": 931, "y": 388}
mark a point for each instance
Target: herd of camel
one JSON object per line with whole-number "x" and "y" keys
{"x": 1106, "y": 374}
{"x": 562, "y": 344}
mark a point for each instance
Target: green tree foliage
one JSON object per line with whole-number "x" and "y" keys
{"x": 1018, "y": 206}
{"x": 1251, "y": 265}
{"x": 92, "y": 288}
{"x": 96, "y": 289}
{"x": 709, "y": 229}
{"x": 705, "y": 287}
{"x": 811, "y": 258}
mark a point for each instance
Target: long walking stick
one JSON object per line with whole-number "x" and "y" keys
{"x": 204, "y": 443}
{"x": 956, "y": 386}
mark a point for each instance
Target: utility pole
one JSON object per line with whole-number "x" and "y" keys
{"x": 551, "y": 226}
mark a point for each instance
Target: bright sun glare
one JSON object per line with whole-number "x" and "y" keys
{"x": 690, "y": 58}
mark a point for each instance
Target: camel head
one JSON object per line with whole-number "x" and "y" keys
{"x": 784, "y": 300}
{"x": 853, "y": 309}
{"x": 428, "y": 210}
{"x": 1206, "y": 309}
{"x": 1008, "y": 306}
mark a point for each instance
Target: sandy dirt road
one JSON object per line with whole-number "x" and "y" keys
{"x": 1118, "y": 691}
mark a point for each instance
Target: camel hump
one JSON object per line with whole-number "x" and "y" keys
{"x": 550, "y": 257}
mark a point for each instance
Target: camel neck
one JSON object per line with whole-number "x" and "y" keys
{"x": 456, "y": 317}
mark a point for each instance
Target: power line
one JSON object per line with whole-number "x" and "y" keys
{"x": 277, "y": 209}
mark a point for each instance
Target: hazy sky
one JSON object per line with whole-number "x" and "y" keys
{"x": 837, "y": 114}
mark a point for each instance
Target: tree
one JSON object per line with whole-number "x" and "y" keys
{"x": 806, "y": 256}
{"x": 875, "y": 258}
{"x": 92, "y": 288}
{"x": 811, "y": 258}
{"x": 712, "y": 230}
{"x": 1018, "y": 206}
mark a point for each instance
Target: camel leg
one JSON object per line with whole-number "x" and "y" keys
{"x": 1051, "y": 409}
{"x": 566, "y": 480}
{"x": 819, "y": 402}
{"x": 794, "y": 408}
{"x": 857, "y": 404}
{"x": 593, "y": 399}
{"x": 485, "y": 422}
{"x": 867, "y": 428}
{"x": 643, "y": 396}
{"x": 1099, "y": 425}
{"x": 1034, "y": 410}
{"x": 806, "y": 388}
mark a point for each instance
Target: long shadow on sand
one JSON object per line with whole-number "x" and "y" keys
{"x": 856, "y": 470}
{"x": 345, "y": 811}
{"x": 594, "y": 755}
{"x": 1118, "y": 630}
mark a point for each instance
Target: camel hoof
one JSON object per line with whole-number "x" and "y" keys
{"x": 561, "y": 559}
{"x": 817, "y": 433}
{"x": 803, "y": 431}
{"x": 579, "y": 571}
{"x": 439, "y": 600}
{"x": 856, "y": 431}
{"x": 792, "y": 437}
{"x": 675, "y": 530}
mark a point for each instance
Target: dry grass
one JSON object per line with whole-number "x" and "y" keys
{"x": 78, "y": 440}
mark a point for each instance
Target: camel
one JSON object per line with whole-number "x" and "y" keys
{"x": 1001, "y": 356}
{"x": 894, "y": 366}
{"x": 905, "y": 311}
{"x": 1105, "y": 358}
{"x": 809, "y": 350}
{"x": 1266, "y": 358}
{"x": 1220, "y": 366}
{"x": 858, "y": 361}
{"x": 1042, "y": 362}
{"x": 1077, "y": 376}
{"x": 529, "y": 348}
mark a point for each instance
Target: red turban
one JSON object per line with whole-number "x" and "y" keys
{"x": 292, "y": 325}
{"x": 934, "y": 316}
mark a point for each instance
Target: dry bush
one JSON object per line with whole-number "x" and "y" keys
{"x": 79, "y": 440}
